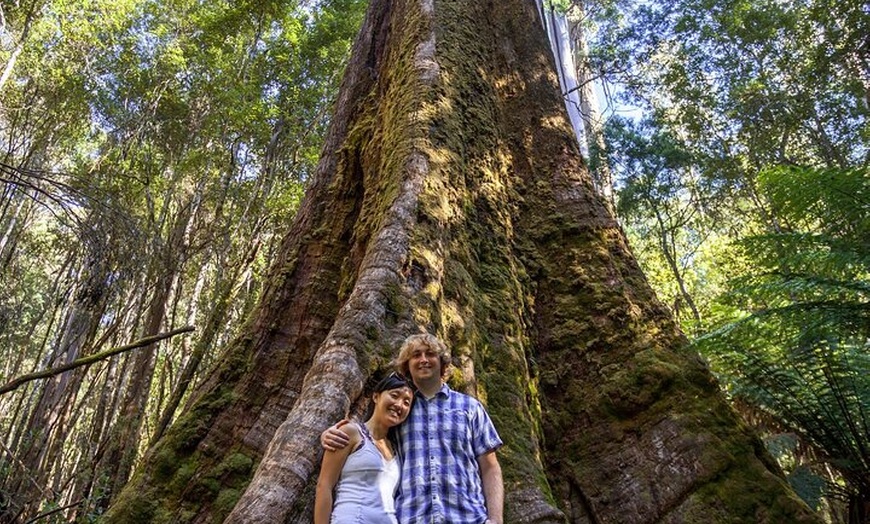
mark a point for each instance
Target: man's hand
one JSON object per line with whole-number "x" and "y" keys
{"x": 334, "y": 438}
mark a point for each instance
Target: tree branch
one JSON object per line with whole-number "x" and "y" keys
{"x": 55, "y": 510}
{"x": 84, "y": 361}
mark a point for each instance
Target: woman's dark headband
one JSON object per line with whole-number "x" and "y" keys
{"x": 393, "y": 381}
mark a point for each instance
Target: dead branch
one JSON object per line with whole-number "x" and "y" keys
{"x": 90, "y": 359}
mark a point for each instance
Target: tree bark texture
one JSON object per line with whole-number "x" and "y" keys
{"x": 451, "y": 196}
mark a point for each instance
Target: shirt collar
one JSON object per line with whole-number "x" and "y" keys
{"x": 444, "y": 391}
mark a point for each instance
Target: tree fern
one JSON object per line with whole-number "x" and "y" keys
{"x": 794, "y": 338}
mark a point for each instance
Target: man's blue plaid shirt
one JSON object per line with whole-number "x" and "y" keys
{"x": 439, "y": 445}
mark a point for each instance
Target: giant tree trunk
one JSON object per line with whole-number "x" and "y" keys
{"x": 451, "y": 197}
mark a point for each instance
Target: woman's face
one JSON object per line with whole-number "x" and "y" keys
{"x": 393, "y": 405}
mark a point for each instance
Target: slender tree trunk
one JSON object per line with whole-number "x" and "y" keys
{"x": 88, "y": 486}
{"x": 27, "y": 399}
{"x": 11, "y": 229}
{"x": 45, "y": 428}
{"x": 122, "y": 446}
{"x": 451, "y": 197}
{"x": 222, "y": 293}
{"x": 189, "y": 361}
{"x": 592, "y": 121}
{"x": 669, "y": 251}
{"x": 561, "y": 44}
{"x": 123, "y": 443}
{"x": 577, "y": 80}
{"x": 8, "y": 67}
{"x": 14, "y": 364}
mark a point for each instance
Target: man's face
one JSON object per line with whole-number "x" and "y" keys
{"x": 424, "y": 364}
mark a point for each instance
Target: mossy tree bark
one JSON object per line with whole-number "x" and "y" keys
{"x": 451, "y": 197}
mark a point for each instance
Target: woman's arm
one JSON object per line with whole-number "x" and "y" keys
{"x": 330, "y": 470}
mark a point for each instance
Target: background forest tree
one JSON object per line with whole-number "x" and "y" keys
{"x": 151, "y": 152}
{"x": 154, "y": 154}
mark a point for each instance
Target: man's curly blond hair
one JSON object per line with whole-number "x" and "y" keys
{"x": 424, "y": 340}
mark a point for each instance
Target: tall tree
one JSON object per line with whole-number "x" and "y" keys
{"x": 661, "y": 203}
{"x": 752, "y": 83}
{"x": 581, "y": 16}
{"x": 25, "y": 14}
{"x": 451, "y": 196}
{"x": 739, "y": 86}
{"x": 37, "y": 445}
{"x": 568, "y": 24}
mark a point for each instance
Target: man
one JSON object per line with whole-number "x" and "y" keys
{"x": 450, "y": 473}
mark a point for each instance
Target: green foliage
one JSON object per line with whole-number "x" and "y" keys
{"x": 560, "y": 6}
{"x": 670, "y": 217}
{"x": 738, "y": 93}
{"x": 147, "y": 141}
{"x": 795, "y": 340}
{"x": 748, "y": 84}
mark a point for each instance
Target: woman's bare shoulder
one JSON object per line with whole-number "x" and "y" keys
{"x": 352, "y": 429}
{"x": 354, "y": 435}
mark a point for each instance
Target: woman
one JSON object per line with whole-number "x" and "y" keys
{"x": 357, "y": 482}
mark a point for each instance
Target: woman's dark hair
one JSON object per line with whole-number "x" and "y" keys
{"x": 393, "y": 381}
